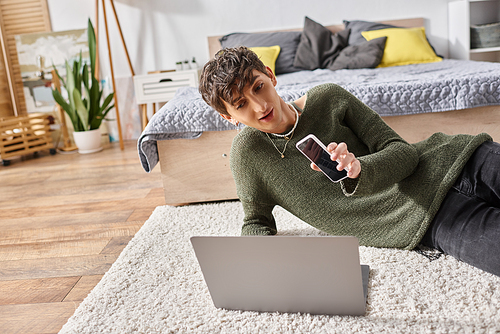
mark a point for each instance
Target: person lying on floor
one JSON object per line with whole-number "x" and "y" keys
{"x": 443, "y": 192}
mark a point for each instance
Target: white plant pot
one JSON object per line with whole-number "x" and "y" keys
{"x": 88, "y": 141}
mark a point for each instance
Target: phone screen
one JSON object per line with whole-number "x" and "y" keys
{"x": 317, "y": 154}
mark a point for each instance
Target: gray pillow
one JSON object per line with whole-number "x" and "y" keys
{"x": 355, "y": 38}
{"x": 287, "y": 40}
{"x": 365, "y": 55}
{"x": 318, "y": 47}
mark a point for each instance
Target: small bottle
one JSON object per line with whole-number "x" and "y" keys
{"x": 178, "y": 65}
{"x": 185, "y": 65}
{"x": 194, "y": 64}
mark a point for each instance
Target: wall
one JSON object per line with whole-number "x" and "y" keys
{"x": 158, "y": 33}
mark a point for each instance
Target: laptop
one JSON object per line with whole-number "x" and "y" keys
{"x": 317, "y": 275}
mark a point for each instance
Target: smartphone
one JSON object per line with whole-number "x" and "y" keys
{"x": 316, "y": 152}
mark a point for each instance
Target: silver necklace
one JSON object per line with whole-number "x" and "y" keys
{"x": 287, "y": 136}
{"x": 294, "y": 126}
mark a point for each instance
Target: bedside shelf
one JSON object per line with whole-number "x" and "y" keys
{"x": 481, "y": 50}
{"x": 161, "y": 87}
{"x": 461, "y": 15}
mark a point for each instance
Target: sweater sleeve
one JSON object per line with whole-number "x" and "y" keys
{"x": 247, "y": 174}
{"x": 390, "y": 158}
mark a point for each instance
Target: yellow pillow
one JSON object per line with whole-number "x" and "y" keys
{"x": 404, "y": 46}
{"x": 268, "y": 54}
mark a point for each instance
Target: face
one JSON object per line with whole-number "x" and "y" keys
{"x": 260, "y": 107}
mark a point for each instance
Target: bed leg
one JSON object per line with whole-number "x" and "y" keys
{"x": 144, "y": 115}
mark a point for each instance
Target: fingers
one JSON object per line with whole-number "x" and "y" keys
{"x": 314, "y": 167}
{"x": 354, "y": 169}
{"x": 346, "y": 159}
{"x": 331, "y": 147}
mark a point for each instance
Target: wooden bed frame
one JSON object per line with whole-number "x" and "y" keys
{"x": 197, "y": 170}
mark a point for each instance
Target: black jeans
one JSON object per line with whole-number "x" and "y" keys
{"x": 467, "y": 225}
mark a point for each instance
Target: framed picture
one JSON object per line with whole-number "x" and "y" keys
{"x": 38, "y": 53}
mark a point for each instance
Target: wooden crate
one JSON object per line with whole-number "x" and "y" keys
{"x": 24, "y": 135}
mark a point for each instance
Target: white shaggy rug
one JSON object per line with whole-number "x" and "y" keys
{"x": 156, "y": 286}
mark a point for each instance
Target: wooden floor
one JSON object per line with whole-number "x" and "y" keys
{"x": 64, "y": 219}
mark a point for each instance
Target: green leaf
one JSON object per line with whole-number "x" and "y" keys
{"x": 64, "y": 105}
{"x": 77, "y": 69}
{"x": 105, "y": 113}
{"x": 85, "y": 77}
{"x": 107, "y": 101}
{"x": 95, "y": 98}
{"x": 60, "y": 77}
{"x": 82, "y": 112}
{"x": 70, "y": 84}
{"x": 92, "y": 47}
{"x": 60, "y": 100}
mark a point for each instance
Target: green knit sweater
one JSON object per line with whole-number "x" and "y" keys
{"x": 391, "y": 204}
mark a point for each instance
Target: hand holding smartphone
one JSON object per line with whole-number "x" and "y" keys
{"x": 317, "y": 153}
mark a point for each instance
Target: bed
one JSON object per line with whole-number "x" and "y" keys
{"x": 191, "y": 142}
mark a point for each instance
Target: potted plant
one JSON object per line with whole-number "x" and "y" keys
{"x": 85, "y": 107}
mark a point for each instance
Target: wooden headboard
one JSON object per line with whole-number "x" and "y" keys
{"x": 214, "y": 44}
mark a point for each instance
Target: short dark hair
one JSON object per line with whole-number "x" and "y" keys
{"x": 230, "y": 69}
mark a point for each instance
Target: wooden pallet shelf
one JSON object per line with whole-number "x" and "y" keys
{"x": 24, "y": 135}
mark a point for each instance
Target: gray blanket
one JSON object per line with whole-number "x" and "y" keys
{"x": 400, "y": 90}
